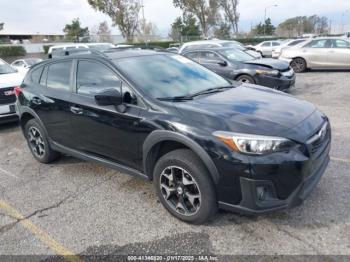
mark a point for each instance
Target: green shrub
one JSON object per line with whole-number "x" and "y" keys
{"x": 6, "y": 51}
{"x": 46, "y": 48}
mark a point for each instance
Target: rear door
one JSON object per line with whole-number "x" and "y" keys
{"x": 105, "y": 130}
{"x": 50, "y": 100}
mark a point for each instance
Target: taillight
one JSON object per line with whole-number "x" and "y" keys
{"x": 18, "y": 90}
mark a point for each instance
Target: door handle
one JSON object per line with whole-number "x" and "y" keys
{"x": 76, "y": 110}
{"x": 36, "y": 101}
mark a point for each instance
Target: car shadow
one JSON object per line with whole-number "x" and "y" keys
{"x": 12, "y": 126}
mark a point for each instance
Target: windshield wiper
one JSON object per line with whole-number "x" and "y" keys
{"x": 211, "y": 91}
{"x": 175, "y": 98}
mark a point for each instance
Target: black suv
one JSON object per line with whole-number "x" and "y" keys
{"x": 204, "y": 141}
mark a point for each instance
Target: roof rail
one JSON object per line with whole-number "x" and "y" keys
{"x": 79, "y": 51}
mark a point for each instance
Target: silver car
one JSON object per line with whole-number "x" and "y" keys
{"x": 320, "y": 53}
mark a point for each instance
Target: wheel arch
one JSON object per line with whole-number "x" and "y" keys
{"x": 152, "y": 151}
{"x": 28, "y": 114}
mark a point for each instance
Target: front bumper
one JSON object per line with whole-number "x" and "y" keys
{"x": 254, "y": 203}
{"x": 281, "y": 83}
{"x": 277, "y": 181}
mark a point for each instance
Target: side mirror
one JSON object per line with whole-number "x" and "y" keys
{"x": 223, "y": 63}
{"x": 109, "y": 97}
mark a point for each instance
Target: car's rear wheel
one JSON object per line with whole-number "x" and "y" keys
{"x": 245, "y": 79}
{"x": 298, "y": 64}
{"x": 38, "y": 143}
{"x": 184, "y": 187}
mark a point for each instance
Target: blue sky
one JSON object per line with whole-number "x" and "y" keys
{"x": 48, "y": 16}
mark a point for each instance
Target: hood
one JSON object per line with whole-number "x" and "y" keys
{"x": 248, "y": 109}
{"x": 270, "y": 63}
{"x": 9, "y": 80}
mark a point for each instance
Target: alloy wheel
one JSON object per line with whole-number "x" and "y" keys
{"x": 180, "y": 190}
{"x": 298, "y": 65}
{"x": 36, "y": 142}
{"x": 245, "y": 80}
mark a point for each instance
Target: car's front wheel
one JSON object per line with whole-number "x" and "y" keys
{"x": 184, "y": 186}
{"x": 245, "y": 79}
{"x": 38, "y": 143}
{"x": 298, "y": 64}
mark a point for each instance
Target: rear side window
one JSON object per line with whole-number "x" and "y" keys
{"x": 93, "y": 77}
{"x": 275, "y": 44}
{"x": 193, "y": 56}
{"x": 266, "y": 44}
{"x": 36, "y": 74}
{"x": 340, "y": 44}
{"x": 58, "y": 75}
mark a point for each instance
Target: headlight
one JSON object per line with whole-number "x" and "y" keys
{"x": 253, "y": 144}
{"x": 267, "y": 72}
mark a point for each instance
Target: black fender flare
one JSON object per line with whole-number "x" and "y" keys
{"x": 30, "y": 111}
{"x": 162, "y": 135}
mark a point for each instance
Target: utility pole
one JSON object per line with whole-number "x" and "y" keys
{"x": 264, "y": 24}
{"x": 143, "y": 20}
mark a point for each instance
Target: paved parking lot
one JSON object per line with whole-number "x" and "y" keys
{"x": 74, "y": 207}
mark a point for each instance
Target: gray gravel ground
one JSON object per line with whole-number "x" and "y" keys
{"x": 92, "y": 210}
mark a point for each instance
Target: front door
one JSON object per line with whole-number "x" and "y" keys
{"x": 215, "y": 62}
{"x": 105, "y": 131}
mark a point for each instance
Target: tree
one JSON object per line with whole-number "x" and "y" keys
{"x": 299, "y": 25}
{"x": 104, "y": 33}
{"x": 74, "y": 30}
{"x": 124, "y": 14}
{"x": 223, "y": 31}
{"x": 205, "y": 10}
{"x": 231, "y": 13}
{"x": 148, "y": 29}
{"x": 267, "y": 28}
{"x": 186, "y": 25}
{"x": 1, "y": 26}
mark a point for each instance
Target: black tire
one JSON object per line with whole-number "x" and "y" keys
{"x": 246, "y": 79}
{"x": 39, "y": 146}
{"x": 299, "y": 65}
{"x": 198, "y": 175}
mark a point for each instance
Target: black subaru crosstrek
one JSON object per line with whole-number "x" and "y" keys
{"x": 205, "y": 142}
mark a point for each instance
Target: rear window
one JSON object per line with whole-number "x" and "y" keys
{"x": 58, "y": 75}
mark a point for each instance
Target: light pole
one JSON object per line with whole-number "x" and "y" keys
{"x": 342, "y": 20}
{"x": 266, "y": 8}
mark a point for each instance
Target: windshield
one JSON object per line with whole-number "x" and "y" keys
{"x": 5, "y": 68}
{"x": 236, "y": 55}
{"x": 164, "y": 76}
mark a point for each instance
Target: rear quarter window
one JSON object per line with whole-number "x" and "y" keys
{"x": 36, "y": 75}
{"x": 58, "y": 75}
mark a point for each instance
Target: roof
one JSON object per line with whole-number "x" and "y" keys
{"x": 131, "y": 53}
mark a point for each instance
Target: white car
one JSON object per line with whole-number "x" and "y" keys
{"x": 266, "y": 48}
{"x": 25, "y": 63}
{"x": 9, "y": 79}
{"x": 59, "y": 49}
{"x": 216, "y": 43}
{"x": 284, "y": 45}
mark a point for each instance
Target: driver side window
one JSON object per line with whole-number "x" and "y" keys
{"x": 209, "y": 57}
{"x": 93, "y": 77}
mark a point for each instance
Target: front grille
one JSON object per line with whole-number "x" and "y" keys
{"x": 320, "y": 139}
{"x": 7, "y": 96}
